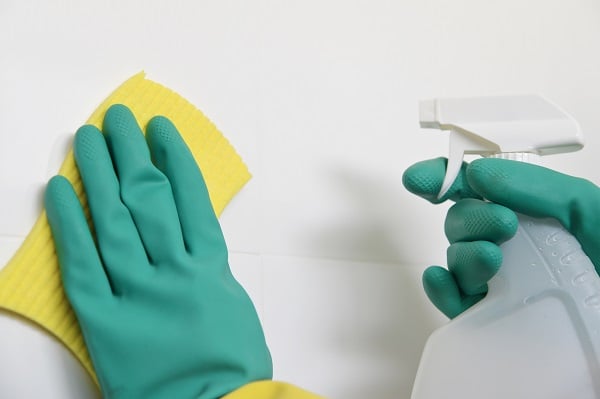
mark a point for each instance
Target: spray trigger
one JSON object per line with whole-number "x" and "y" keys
{"x": 499, "y": 126}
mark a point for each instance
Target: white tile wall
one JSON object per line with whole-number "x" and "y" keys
{"x": 320, "y": 98}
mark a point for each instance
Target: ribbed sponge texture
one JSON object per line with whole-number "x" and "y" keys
{"x": 30, "y": 283}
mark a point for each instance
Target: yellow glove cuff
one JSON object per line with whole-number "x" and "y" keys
{"x": 270, "y": 390}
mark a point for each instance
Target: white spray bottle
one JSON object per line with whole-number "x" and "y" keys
{"x": 536, "y": 334}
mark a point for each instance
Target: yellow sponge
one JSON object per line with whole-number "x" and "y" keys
{"x": 30, "y": 284}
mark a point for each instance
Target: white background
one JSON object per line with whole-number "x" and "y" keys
{"x": 320, "y": 99}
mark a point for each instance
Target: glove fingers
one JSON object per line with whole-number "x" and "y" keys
{"x": 444, "y": 292}
{"x": 80, "y": 265}
{"x": 425, "y": 179}
{"x": 527, "y": 188}
{"x": 201, "y": 229}
{"x": 541, "y": 192}
{"x": 473, "y": 264}
{"x": 474, "y": 220}
{"x": 118, "y": 240}
{"x": 145, "y": 190}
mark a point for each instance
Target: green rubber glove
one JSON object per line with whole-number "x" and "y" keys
{"x": 160, "y": 311}
{"x": 476, "y": 228}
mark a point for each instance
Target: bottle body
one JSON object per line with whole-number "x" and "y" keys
{"x": 536, "y": 334}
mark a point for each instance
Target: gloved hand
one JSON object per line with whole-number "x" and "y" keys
{"x": 160, "y": 311}
{"x": 475, "y": 228}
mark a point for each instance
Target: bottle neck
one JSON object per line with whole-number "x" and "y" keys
{"x": 527, "y": 157}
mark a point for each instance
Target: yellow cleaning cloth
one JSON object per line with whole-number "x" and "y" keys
{"x": 30, "y": 284}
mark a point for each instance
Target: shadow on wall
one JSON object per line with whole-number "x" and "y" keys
{"x": 374, "y": 222}
{"x": 394, "y": 313}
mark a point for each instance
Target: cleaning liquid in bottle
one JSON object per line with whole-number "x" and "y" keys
{"x": 536, "y": 334}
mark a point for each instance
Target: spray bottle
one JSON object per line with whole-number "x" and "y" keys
{"x": 536, "y": 334}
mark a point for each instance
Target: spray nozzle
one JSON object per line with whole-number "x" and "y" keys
{"x": 490, "y": 126}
